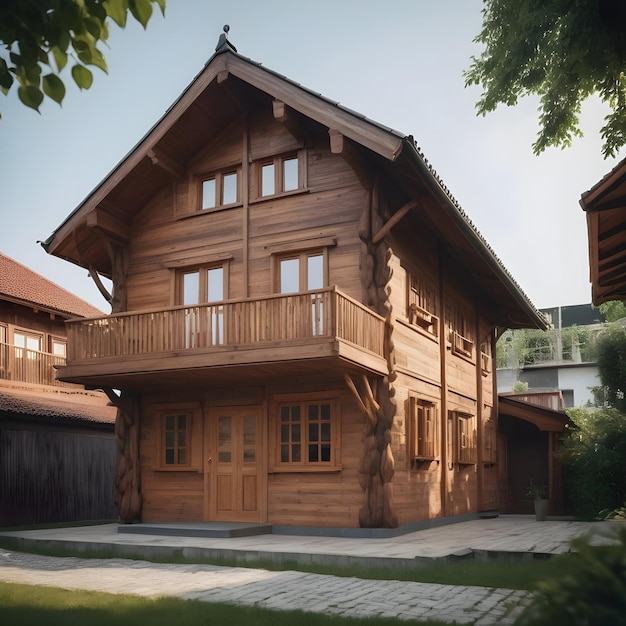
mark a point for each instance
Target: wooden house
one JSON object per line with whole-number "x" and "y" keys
{"x": 57, "y": 448}
{"x": 303, "y": 318}
{"x": 605, "y": 208}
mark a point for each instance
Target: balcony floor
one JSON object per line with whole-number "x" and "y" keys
{"x": 273, "y": 365}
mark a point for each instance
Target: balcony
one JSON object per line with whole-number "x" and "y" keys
{"x": 248, "y": 341}
{"x": 21, "y": 366}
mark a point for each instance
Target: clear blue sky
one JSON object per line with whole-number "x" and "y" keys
{"x": 400, "y": 62}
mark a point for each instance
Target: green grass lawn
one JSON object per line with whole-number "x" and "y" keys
{"x": 24, "y": 605}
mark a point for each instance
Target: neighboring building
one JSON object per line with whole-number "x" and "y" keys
{"x": 605, "y": 208}
{"x": 57, "y": 449}
{"x": 303, "y": 318}
{"x": 561, "y": 359}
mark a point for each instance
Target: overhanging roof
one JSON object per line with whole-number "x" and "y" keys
{"x": 605, "y": 206}
{"x": 229, "y": 77}
{"x": 542, "y": 417}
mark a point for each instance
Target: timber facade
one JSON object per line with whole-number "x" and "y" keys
{"x": 303, "y": 319}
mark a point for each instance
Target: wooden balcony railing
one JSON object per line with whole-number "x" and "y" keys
{"x": 22, "y": 365}
{"x": 280, "y": 318}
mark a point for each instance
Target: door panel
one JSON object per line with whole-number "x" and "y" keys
{"x": 234, "y": 469}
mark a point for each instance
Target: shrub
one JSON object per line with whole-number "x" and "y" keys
{"x": 594, "y": 457}
{"x": 592, "y": 592}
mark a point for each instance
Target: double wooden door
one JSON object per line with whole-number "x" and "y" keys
{"x": 234, "y": 467}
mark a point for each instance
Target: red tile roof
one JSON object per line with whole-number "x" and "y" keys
{"x": 77, "y": 407}
{"x": 20, "y": 283}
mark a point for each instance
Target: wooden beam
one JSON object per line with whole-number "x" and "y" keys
{"x": 284, "y": 115}
{"x": 99, "y": 284}
{"x": 336, "y": 141}
{"x": 106, "y": 223}
{"x": 222, "y": 76}
{"x": 367, "y": 411}
{"x": 394, "y": 219}
{"x": 342, "y": 146}
{"x": 166, "y": 163}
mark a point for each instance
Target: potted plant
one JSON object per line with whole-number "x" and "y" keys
{"x": 539, "y": 495}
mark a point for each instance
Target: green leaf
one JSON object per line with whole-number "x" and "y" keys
{"x": 30, "y": 95}
{"x": 97, "y": 59}
{"x": 60, "y": 58}
{"x": 53, "y": 87}
{"x": 82, "y": 76}
{"x": 141, "y": 10}
{"x": 94, "y": 27}
{"x": 117, "y": 10}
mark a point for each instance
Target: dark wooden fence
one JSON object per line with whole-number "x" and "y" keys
{"x": 54, "y": 476}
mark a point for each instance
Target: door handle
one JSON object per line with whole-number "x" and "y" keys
{"x": 209, "y": 459}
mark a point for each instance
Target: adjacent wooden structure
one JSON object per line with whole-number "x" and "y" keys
{"x": 303, "y": 318}
{"x": 605, "y": 208}
{"x": 57, "y": 448}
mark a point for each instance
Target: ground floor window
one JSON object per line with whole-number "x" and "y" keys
{"x": 462, "y": 438}
{"x": 423, "y": 430}
{"x": 306, "y": 434}
{"x": 178, "y": 434}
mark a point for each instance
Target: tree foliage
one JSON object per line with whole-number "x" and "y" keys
{"x": 613, "y": 310}
{"x": 561, "y": 50}
{"x": 594, "y": 458}
{"x": 611, "y": 354}
{"x": 39, "y": 37}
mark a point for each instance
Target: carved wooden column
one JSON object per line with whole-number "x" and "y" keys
{"x": 128, "y": 476}
{"x": 377, "y": 400}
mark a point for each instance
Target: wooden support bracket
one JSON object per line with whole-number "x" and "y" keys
{"x": 166, "y": 163}
{"x": 394, "y": 219}
{"x": 366, "y": 409}
{"x": 99, "y": 284}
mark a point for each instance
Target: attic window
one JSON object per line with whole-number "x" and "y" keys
{"x": 279, "y": 175}
{"x": 219, "y": 190}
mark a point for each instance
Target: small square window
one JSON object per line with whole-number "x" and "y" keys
{"x": 219, "y": 190}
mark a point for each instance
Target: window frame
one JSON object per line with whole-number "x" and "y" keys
{"x": 462, "y": 438}
{"x": 461, "y": 334}
{"x": 422, "y": 412}
{"x": 303, "y": 268}
{"x": 193, "y": 437}
{"x": 277, "y": 465}
{"x": 490, "y": 437}
{"x": 202, "y": 270}
{"x": 422, "y": 306}
{"x": 218, "y": 177}
{"x": 278, "y": 162}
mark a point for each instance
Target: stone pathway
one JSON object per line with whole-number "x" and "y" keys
{"x": 349, "y": 597}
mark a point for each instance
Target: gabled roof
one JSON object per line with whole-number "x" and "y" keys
{"x": 605, "y": 206}
{"x": 230, "y": 81}
{"x": 20, "y": 284}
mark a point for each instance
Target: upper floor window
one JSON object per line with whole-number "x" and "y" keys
{"x": 58, "y": 347}
{"x": 279, "y": 175}
{"x": 302, "y": 271}
{"x": 204, "y": 326}
{"x": 220, "y": 189}
{"x": 202, "y": 285}
{"x": 26, "y": 343}
{"x": 422, "y": 303}
{"x": 461, "y": 333}
{"x": 485, "y": 357}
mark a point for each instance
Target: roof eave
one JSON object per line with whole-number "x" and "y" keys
{"x": 535, "y": 317}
